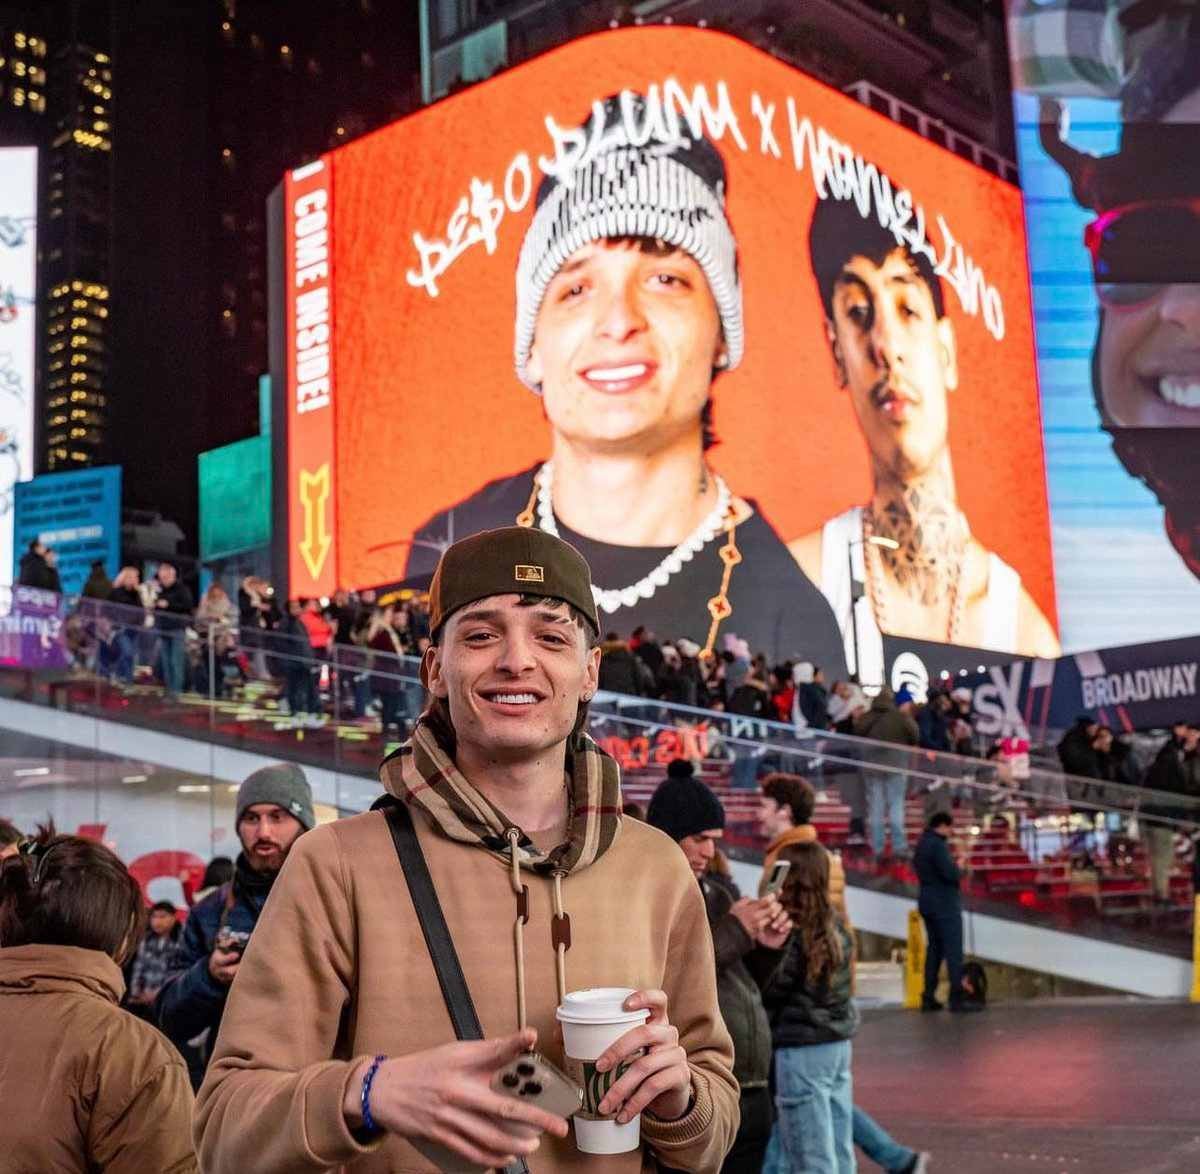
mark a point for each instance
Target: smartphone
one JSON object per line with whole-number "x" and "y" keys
{"x": 232, "y": 939}
{"x": 531, "y": 1077}
{"x": 778, "y": 875}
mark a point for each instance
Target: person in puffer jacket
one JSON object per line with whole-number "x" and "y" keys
{"x": 809, "y": 1002}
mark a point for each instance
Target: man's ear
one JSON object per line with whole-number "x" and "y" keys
{"x": 534, "y": 367}
{"x": 431, "y": 672}
{"x": 720, "y": 359}
{"x": 592, "y": 678}
{"x": 835, "y": 349}
{"x": 948, "y": 346}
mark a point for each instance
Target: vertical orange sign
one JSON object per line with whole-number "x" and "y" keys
{"x": 312, "y": 547}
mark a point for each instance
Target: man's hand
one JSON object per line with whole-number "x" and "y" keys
{"x": 660, "y": 1080}
{"x": 444, "y": 1096}
{"x": 776, "y": 932}
{"x": 754, "y": 915}
{"x": 223, "y": 964}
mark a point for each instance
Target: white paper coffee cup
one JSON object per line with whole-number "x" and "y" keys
{"x": 591, "y": 1020}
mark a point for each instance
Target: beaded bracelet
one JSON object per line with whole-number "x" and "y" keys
{"x": 369, "y": 1121}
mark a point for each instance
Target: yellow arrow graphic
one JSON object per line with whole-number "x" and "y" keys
{"x": 314, "y": 497}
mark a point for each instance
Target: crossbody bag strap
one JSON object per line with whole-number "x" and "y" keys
{"x": 438, "y": 941}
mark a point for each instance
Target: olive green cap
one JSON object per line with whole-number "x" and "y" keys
{"x": 512, "y": 560}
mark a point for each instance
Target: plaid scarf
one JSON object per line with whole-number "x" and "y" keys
{"x": 422, "y": 774}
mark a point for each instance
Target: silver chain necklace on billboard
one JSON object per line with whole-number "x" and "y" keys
{"x": 610, "y": 599}
{"x": 874, "y": 561}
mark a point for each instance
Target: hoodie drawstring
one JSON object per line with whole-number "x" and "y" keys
{"x": 560, "y": 927}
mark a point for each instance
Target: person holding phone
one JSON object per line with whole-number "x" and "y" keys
{"x": 785, "y": 817}
{"x": 688, "y": 811}
{"x": 809, "y": 1001}
{"x": 785, "y": 811}
{"x": 337, "y": 1049}
{"x": 274, "y": 808}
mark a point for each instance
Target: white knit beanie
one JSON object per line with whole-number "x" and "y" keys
{"x": 661, "y": 182}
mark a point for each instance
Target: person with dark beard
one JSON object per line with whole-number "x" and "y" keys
{"x": 274, "y": 808}
{"x": 1145, "y": 252}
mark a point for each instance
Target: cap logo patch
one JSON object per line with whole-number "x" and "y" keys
{"x": 524, "y": 573}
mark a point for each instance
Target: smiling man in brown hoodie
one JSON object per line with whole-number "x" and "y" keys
{"x": 337, "y": 984}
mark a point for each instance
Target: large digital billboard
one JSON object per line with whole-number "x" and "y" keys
{"x": 18, "y": 301}
{"x": 1108, "y": 115}
{"x": 755, "y": 349}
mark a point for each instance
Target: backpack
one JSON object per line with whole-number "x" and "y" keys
{"x": 975, "y": 983}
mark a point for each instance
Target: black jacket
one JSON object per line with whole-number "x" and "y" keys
{"x": 938, "y": 874}
{"x": 1174, "y": 771}
{"x": 750, "y": 700}
{"x": 934, "y": 728}
{"x": 35, "y": 571}
{"x": 813, "y": 700}
{"x": 623, "y": 672}
{"x": 801, "y": 1015}
{"x": 737, "y": 992}
{"x": 174, "y": 607}
{"x": 1077, "y": 754}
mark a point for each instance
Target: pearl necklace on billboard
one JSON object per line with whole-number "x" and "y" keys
{"x": 610, "y": 599}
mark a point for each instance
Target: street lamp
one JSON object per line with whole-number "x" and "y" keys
{"x": 858, "y": 588}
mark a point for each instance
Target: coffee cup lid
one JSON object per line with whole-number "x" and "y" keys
{"x": 602, "y": 1004}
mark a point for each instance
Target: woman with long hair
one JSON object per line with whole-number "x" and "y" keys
{"x": 809, "y": 1001}
{"x": 85, "y": 1086}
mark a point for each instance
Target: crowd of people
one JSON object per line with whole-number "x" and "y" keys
{"x": 784, "y": 962}
{"x": 296, "y": 1000}
{"x": 736, "y": 680}
{"x": 297, "y": 1020}
{"x": 338, "y": 656}
{"x": 1170, "y": 782}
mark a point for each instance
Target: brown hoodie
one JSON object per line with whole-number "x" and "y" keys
{"x": 84, "y": 1085}
{"x": 337, "y": 971}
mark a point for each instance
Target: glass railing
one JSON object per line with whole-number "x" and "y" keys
{"x": 1064, "y": 851}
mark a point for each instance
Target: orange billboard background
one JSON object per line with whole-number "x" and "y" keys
{"x": 429, "y": 408}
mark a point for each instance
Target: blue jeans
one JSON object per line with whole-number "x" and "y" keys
{"x": 745, "y": 770}
{"x": 814, "y": 1096}
{"x": 170, "y": 660}
{"x": 886, "y": 792}
{"x": 879, "y": 1145}
{"x": 125, "y": 645}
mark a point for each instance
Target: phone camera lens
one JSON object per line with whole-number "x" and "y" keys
{"x": 525, "y": 1069}
{"x": 510, "y": 1080}
{"x": 531, "y": 1089}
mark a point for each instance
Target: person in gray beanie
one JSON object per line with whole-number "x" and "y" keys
{"x": 628, "y": 309}
{"x": 747, "y": 936}
{"x": 274, "y": 808}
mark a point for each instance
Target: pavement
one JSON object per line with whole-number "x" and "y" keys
{"x": 1095, "y": 1086}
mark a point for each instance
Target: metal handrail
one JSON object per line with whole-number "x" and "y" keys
{"x": 847, "y": 751}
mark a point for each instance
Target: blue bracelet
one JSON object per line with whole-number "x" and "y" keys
{"x": 369, "y": 1121}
